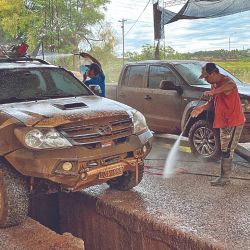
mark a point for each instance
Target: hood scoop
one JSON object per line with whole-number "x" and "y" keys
{"x": 76, "y": 105}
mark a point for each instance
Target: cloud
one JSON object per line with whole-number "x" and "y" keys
{"x": 183, "y": 35}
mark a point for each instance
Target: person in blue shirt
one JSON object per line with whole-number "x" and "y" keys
{"x": 95, "y": 73}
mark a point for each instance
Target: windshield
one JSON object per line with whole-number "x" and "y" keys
{"x": 34, "y": 84}
{"x": 192, "y": 71}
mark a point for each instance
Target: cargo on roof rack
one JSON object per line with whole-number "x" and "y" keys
{"x": 17, "y": 53}
{"x": 14, "y": 51}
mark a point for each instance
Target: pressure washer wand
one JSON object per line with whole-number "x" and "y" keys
{"x": 187, "y": 122}
{"x": 190, "y": 117}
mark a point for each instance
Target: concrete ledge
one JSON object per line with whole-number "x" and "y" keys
{"x": 243, "y": 152}
{"x": 31, "y": 235}
{"x": 179, "y": 213}
{"x": 106, "y": 225}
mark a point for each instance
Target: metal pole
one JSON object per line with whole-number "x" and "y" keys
{"x": 123, "y": 43}
{"x": 164, "y": 5}
{"x": 229, "y": 41}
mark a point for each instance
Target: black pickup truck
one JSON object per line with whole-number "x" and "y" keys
{"x": 166, "y": 92}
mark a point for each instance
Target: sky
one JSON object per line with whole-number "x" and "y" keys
{"x": 183, "y": 35}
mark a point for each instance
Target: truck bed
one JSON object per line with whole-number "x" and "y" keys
{"x": 111, "y": 91}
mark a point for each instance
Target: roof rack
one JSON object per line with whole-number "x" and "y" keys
{"x": 17, "y": 53}
{"x": 22, "y": 59}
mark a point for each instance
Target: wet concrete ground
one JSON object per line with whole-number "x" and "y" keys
{"x": 216, "y": 213}
{"x": 185, "y": 206}
{"x": 162, "y": 144}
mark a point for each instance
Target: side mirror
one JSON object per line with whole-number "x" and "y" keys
{"x": 95, "y": 88}
{"x": 168, "y": 85}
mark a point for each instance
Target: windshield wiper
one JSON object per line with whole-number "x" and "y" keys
{"x": 58, "y": 96}
{"x": 53, "y": 96}
{"x": 16, "y": 99}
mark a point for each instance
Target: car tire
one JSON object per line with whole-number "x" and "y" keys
{"x": 14, "y": 200}
{"x": 127, "y": 180}
{"x": 204, "y": 141}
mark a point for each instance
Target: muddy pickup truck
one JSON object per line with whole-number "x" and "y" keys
{"x": 57, "y": 135}
{"x": 166, "y": 92}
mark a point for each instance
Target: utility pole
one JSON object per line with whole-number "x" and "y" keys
{"x": 229, "y": 41}
{"x": 164, "y": 5}
{"x": 122, "y": 21}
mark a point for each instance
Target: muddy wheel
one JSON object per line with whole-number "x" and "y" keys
{"x": 127, "y": 180}
{"x": 13, "y": 196}
{"x": 204, "y": 141}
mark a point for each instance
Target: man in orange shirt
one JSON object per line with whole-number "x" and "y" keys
{"x": 228, "y": 116}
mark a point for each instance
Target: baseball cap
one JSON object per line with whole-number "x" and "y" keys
{"x": 95, "y": 67}
{"x": 208, "y": 69}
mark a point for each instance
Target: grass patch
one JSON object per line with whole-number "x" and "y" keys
{"x": 112, "y": 69}
{"x": 240, "y": 69}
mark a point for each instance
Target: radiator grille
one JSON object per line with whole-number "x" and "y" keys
{"x": 96, "y": 132}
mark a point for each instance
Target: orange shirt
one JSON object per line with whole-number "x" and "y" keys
{"x": 228, "y": 109}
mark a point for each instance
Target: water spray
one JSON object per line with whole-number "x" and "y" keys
{"x": 172, "y": 156}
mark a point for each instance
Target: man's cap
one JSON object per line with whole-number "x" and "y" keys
{"x": 95, "y": 67}
{"x": 208, "y": 69}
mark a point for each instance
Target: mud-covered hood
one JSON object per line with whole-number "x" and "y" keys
{"x": 54, "y": 112}
{"x": 244, "y": 89}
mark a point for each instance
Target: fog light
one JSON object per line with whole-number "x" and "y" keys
{"x": 144, "y": 149}
{"x": 67, "y": 166}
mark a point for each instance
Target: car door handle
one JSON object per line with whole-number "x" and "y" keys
{"x": 147, "y": 97}
{"x": 121, "y": 94}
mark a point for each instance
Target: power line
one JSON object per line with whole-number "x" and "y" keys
{"x": 138, "y": 17}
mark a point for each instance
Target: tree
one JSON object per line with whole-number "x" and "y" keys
{"x": 10, "y": 17}
{"x": 104, "y": 49}
{"x": 148, "y": 53}
{"x": 60, "y": 24}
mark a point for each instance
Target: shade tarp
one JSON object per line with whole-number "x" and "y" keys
{"x": 195, "y": 9}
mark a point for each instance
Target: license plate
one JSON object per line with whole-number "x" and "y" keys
{"x": 110, "y": 173}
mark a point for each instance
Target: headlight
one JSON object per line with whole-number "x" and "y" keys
{"x": 139, "y": 122}
{"x": 245, "y": 105}
{"x": 45, "y": 138}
